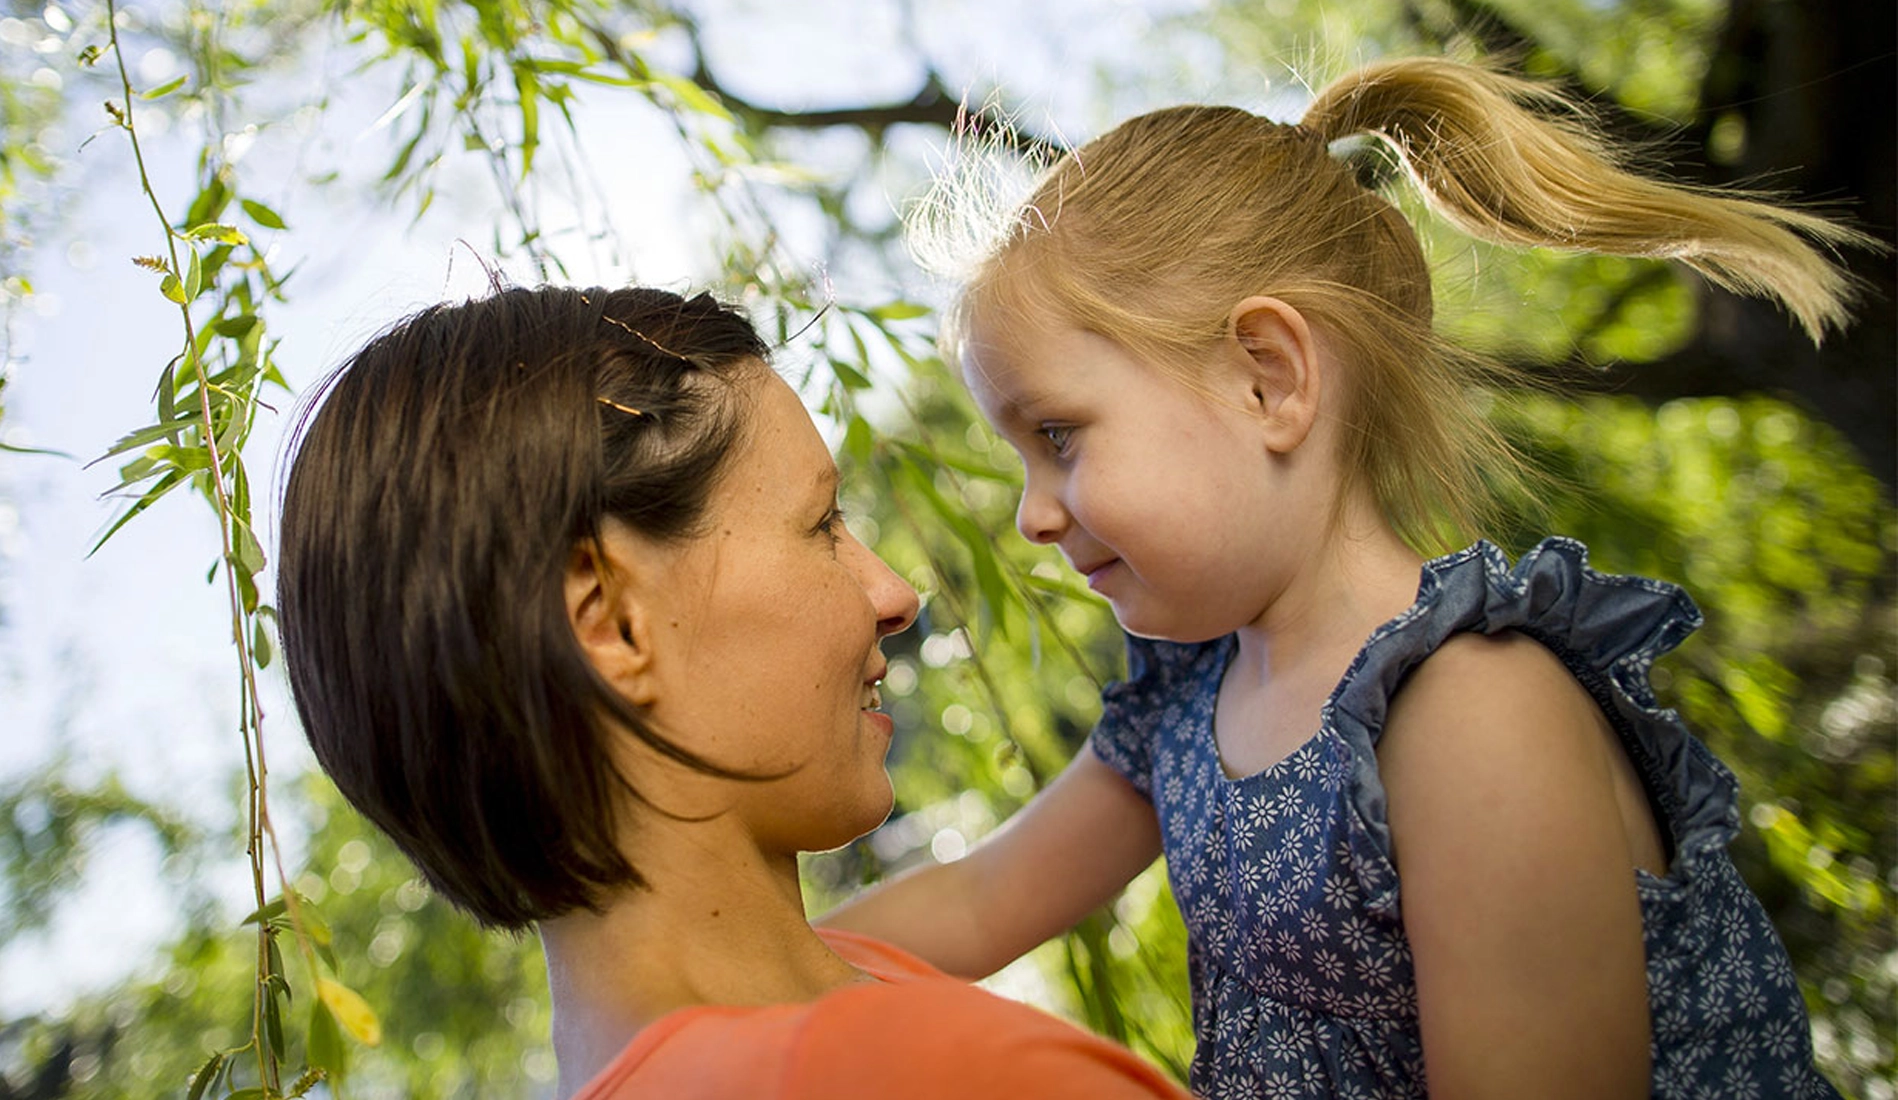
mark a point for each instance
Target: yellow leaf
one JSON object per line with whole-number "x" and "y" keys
{"x": 351, "y": 1011}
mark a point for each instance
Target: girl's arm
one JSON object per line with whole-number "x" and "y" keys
{"x": 1067, "y": 852}
{"x": 1516, "y": 847}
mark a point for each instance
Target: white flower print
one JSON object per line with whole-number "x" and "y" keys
{"x": 1780, "y": 1038}
{"x": 1284, "y": 1046}
{"x": 1739, "y": 1084}
{"x": 1328, "y": 965}
{"x": 1251, "y": 878}
{"x": 1750, "y": 999}
{"x": 1340, "y": 893}
{"x": 1375, "y": 970}
{"x": 1314, "y": 925}
{"x": 1304, "y": 875}
{"x": 1354, "y": 932}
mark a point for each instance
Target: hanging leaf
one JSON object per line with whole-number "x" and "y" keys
{"x": 206, "y": 1074}
{"x": 326, "y": 1043}
{"x": 261, "y": 214}
{"x": 899, "y": 311}
{"x": 216, "y": 231}
{"x": 352, "y": 1013}
{"x": 164, "y": 89}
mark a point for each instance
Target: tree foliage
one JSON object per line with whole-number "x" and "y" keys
{"x": 1756, "y": 474}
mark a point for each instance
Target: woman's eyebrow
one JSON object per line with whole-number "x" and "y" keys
{"x": 827, "y": 482}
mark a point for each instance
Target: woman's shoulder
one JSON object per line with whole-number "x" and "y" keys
{"x": 930, "y": 1038}
{"x": 943, "y": 1038}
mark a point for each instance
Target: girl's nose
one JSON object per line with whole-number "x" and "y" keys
{"x": 1039, "y": 517}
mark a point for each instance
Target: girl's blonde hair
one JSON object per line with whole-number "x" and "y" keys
{"x": 1151, "y": 233}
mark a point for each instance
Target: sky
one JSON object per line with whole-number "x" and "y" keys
{"x": 119, "y": 662}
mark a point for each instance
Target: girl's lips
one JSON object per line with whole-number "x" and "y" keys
{"x": 1098, "y": 573}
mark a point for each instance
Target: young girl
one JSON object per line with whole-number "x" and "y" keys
{"x": 1429, "y": 829}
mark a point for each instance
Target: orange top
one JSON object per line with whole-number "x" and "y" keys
{"x": 915, "y": 1034}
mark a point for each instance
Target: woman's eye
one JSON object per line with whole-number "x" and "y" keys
{"x": 1058, "y": 436}
{"x": 832, "y": 524}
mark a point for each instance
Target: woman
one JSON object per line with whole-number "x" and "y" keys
{"x": 570, "y": 612}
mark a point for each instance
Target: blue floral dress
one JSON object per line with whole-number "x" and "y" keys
{"x": 1302, "y": 980}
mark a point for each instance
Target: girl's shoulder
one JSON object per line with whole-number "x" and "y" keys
{"x": 1604, "y": 630}
{"x": 1509, "y": 646}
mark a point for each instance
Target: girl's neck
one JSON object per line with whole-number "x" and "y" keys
{"x": 1292, "y": 656}
{"x": 1355, "y": 578}
{"x": 719, "y": 925}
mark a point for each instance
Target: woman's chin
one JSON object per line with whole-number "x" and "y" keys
{"x": 870, "y": 815}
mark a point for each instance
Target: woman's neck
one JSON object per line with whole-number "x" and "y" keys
{"x": 719, "y": 924}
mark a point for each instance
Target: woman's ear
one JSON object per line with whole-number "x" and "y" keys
{"x": 608, "y": 620}
{"x": 1280, "y": 361}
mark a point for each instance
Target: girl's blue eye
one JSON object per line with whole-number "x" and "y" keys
{"x": 1058, "y": 436}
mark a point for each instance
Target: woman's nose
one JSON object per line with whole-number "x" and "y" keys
{"x": 891, "y": 596}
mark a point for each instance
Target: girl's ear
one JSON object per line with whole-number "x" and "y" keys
{"x": 608, "y": 621}
{"x": 1281, "y": 366}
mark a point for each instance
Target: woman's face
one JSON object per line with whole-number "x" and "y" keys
{"x": 765, "y": 635}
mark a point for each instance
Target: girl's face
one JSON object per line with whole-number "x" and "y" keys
{"x": 1163, "y": 497}
{"x": 766, "y": 634}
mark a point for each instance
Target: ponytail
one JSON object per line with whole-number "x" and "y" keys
{"x": 1514, "y": 162}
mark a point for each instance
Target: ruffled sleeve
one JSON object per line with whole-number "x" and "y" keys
{"x": 1133, "y": 710}
{"x": 1607, "y": 629}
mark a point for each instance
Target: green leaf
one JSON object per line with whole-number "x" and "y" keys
{"x": 250, "y": 552}
{"x": 171, "y": 288}
{"x": 692, "y": 97}
{"x": 14, "y": 448}
{"x": 273, "y": 908}
{"x": 899, "y": 311}
{"x": 859, "y": 444}
{"x": 165, "y": 485}
{"x": 528, "y": 85}
{"x": 851, "y": 377}
{"x": 252, "y": 1093}
{"x": 236, "y": 326}
{"x": 326, "y": 1041}
{"x": 216, "y": 231}
{"x": 247, "y": 590}
{"x": 194, "y": 278}
{"x": 210, "y": 202}
{"x": 273, "y": 1025}
{"x": 261, "y": 214}
{"x": 260, "y": 651}
{"x": 206, "y": 1074}
{"x": 164, "y": 89}
{"x": 165, "y": 429}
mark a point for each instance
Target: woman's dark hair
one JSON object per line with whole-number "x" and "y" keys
{"x": 429, "y": 516}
